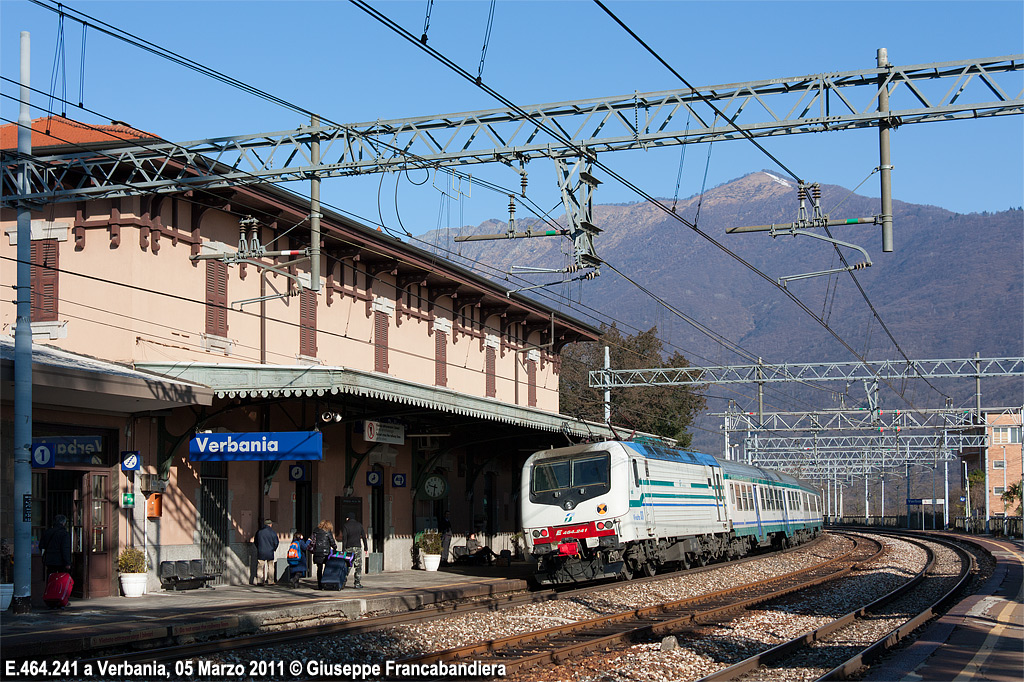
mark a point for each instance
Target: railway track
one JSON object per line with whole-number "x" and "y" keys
{"x": 559, "y": 643}
{"x": 371, "y": 624}
{"x": 828, "y": 647}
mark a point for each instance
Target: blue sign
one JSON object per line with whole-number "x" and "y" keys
{"x": 272, "y": 446}
{"x": 917, "y": 501}
{"x": 374, "y": 478}
{"x": 131, "y": 461}
{"x": 43, "y": 456}
{"x": 67, "y": 449}
{"x": 296, "y": 472}
{"x": 397, "y": 480}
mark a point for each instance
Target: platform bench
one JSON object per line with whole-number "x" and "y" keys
{"x": 185, "y": 574}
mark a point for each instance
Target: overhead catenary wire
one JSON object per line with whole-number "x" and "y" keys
{"x": 750, "y": 137}
{"x": 402, "y": 32}
{"x": 473, "y": 264}
{"x": 127, "y": 37}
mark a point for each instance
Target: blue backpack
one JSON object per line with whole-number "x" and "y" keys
{"x": 295, "y": 553}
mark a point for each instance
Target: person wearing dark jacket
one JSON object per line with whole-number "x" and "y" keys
{"x": 266, "y": 548}
{"x": 55, "y": 546}
{"x": 353, "y": 539}
{"x": 323, "y": 544}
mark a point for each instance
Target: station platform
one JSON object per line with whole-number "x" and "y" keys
{"x": 167, "y": 617}
{"x": 980, "y": 638}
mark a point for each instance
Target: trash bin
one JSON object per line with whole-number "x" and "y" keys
{"x": 375, "y": 562}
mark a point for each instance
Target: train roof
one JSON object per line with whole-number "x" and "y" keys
{"x": 658, "y": 452}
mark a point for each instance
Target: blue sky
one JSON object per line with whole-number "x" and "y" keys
{"x": 332, "y": 58}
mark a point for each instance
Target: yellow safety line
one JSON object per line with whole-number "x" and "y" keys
{"x": 987, "y": 647}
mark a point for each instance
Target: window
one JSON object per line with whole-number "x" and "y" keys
{"x": 307, "y": 323}
{"x": 999, "y": 464}
{"x": 44, "y": 280}
{"x": 1005, "y": 435}
{"x": 491, "y": 387}
{"x": 531, "y": 383}
{"x": 380, "y": 341}
{"x": 216, "y": 298}
{"x": 440, "y": 358}
{"x": 998, "y": 490}
{"x": 586, "y": 470}
{"x": 732, "y": 494}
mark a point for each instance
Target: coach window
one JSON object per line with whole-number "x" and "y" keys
{"x": 636, "y": 475}
{"x": 732, "y": 494}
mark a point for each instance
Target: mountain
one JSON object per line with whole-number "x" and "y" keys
{"x": 951, "y": 287}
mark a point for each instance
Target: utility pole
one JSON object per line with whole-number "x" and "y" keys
{"x": 884, "y": 161}
{"x": 22, "y": 601}
{"x": 314, "y": 210}
{"x": 608, "y": 397}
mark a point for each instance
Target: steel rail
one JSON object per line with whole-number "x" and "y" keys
{"x": 558, "y": 643}
{"x": 785, "y": 650}
{"x": 428, "y": 612}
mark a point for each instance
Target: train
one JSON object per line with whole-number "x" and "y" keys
{"x": 619, "y": 509}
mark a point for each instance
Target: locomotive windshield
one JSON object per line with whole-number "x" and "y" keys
{"x": 578, "y": 472}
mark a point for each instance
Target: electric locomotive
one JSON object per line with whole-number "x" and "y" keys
{"x": 617, "y": 509}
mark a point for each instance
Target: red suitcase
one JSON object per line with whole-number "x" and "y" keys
{"x": 58, "y": 590}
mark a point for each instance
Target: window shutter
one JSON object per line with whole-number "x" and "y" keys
{"x": 491, "y": 387}
{"x": 380, "y": 341}
{"x": 43, "y": 282}
{"x": 440, "y": 358}
{"x": 307, "y": 323}
{"x": 531, "y": 383}
{"x": 216, "y": 298}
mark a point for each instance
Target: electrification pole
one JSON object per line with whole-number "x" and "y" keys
{"x": 22, "y": 601}
{"x": 885, "y": 163}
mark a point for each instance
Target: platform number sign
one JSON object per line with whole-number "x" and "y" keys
{"x": 374, "y": 478}
{"x": 43, "y": 457}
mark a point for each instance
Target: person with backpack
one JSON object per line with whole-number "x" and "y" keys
{"x": 297, "y": 552}
{"x": 353, "y": 539}
{"x": 323, "y": 544}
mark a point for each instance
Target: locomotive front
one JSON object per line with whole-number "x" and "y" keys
{"x": 575, "y": 506}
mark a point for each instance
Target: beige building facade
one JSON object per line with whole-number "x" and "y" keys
{"x": 413, "y": 371}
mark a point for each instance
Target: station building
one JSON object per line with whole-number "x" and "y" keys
{"x": 428, "y": 384}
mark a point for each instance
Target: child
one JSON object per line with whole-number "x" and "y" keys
{"x": 297, "y": 558}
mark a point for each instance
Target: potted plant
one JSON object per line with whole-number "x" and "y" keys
{"x": 132, "y": 564}
{"x": 430, "y": 549}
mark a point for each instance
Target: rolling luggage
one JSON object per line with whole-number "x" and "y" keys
{"x": 336, "y": 570}
{"x": 58, "y": 590}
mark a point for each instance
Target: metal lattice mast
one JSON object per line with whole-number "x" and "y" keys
{"x": 921, "y": 93}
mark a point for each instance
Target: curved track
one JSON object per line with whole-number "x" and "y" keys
{"x": 555, "y": 644}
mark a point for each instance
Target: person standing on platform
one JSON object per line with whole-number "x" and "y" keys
{"x": 323, "y": 544}
{"x": 444, "y": 526}
{"x": 266, "y": 548}
{"x": 55, "y": 546}
{"x": 353, "y": 539}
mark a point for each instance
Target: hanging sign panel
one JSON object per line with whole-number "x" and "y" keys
{"x": 257, "y": 446}
{"x": 382, "y": 432}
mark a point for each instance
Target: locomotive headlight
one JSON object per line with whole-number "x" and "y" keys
{"x": 536, "y": 533}
{"x": 600, "y": 525}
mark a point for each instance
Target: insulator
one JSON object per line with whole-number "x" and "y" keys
{"x": 816, "y": 191}
{"x": 801, "y": 191}
{"x": 522, "y": 183}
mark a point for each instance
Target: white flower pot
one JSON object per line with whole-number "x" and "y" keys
{"x": 431, "y": 562}
{"x": 134, "y": 584}
{"x": 6, "y": 595}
